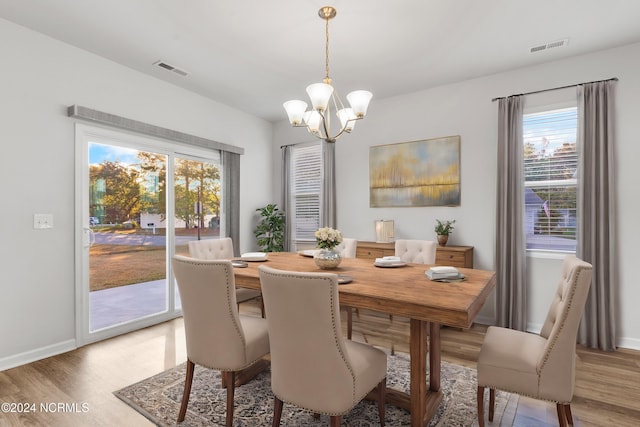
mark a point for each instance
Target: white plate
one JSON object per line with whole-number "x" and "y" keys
{"x": 254, "y": 256}
{"x": 390, "y": 265}
{"x": 308, "y": 252}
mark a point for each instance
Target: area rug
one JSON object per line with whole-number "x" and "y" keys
{"x": 158, "y": 399}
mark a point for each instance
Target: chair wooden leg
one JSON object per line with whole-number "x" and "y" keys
{"x": 480, "y": 406}
{"x": 277, "y": 412}
{"x": 567, "y": 411}
{"x": 336, "y": 420}
{"x": 492, "y": 402}
{"x": 187, "y": 390}
{"x": 231, "y": 385}
{"x": 562, "y": 417}
{"x": 382, "y": 390}
{"x": 349, "y": 322}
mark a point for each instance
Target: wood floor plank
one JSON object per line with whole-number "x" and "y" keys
{"x": 606, "y": 382}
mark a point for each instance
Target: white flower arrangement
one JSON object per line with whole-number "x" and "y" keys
{"x": 328, "y": 238}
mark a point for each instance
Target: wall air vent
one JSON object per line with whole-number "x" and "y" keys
{"x": 550, "y": 45}
{"x": 169, "y": 67}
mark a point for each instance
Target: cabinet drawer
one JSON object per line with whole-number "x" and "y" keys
{"x": 371, "y": 253}
{"x": 454, "y": 259}
{"x": 455, "y": 256}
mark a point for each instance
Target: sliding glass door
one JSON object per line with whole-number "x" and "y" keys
{"x": 139, "y": 203}
{"x": 197, "y": 190}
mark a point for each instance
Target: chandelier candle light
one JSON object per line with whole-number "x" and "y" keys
{"x": 323, "y": 97}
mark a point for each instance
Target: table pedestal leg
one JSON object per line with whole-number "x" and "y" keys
{"x": 424, "y": 402}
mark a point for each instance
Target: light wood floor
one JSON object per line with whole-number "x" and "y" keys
{"x": 607, "y": 384}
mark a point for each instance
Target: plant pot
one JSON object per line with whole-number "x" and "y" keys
{"x": 442, "y": 239}
{"x": 327, "y": 259}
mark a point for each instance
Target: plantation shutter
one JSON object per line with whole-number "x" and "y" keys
{"x": 306, "y": 180}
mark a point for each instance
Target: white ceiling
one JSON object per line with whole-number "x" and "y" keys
{"x": 255, "y": 54}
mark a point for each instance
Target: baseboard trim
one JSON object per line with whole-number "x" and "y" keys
{"x": 630, "y": 343}
{"x": 37, "y": 354}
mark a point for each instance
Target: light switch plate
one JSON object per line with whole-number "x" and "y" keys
{"x": 41, "y": 221}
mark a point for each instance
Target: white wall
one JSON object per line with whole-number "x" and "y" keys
{"x": 465, "y": 109}
{"x": 39, "y": 79}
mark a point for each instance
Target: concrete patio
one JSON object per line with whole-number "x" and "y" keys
{"x": 109, "y": 307}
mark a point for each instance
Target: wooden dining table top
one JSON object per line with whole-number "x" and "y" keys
{"x": 403, "y": 291}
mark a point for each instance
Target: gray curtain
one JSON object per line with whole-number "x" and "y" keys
{"x": 596, "y": 212}
{"x": 511, "y": 302}
{"x": 328, "y": 191}
{"x": 231, "y": 197}
{"x": 286, "y": 197}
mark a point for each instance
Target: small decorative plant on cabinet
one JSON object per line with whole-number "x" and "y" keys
{"x": 270, "y": 229}
{"x": 443, "y": 229}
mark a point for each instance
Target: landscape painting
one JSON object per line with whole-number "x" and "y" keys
{"x": 416, "y": 173}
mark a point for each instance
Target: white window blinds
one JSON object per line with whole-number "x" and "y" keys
{"x": 550, "y": 171}
{"x": 306, "y": 181}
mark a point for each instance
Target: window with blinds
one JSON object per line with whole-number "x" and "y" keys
{"x": 306, "y": 181}
{"x": 550, "y": 173}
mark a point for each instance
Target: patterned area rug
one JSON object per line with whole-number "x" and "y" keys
{"x": 158, "y": 398}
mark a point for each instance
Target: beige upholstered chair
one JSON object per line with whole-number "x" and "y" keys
{"x": 348, "y": 249}
{"x": 312, "y": 365}
{"x": 221, "y": 249}
{"x": 217, "y": 336}
{"x": 539, "y": 366}
{"x": 416, "y": 251}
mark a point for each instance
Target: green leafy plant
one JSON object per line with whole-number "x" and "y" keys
{"x": 270, "y": 229}
{"x": 444, "y": 228}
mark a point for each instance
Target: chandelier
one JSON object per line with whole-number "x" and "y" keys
{"x": 324, "y": 98}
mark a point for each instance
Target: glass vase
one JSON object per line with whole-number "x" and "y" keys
{"x": 327, "y": 259}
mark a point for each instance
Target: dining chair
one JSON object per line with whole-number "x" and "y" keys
{"x": 416, "y": 251}
{"x": 348, "y": 249}
{"x": 217, "y": 336}
{"x": 221, "y": 249}
{"x": 541, "y": 366}
{"x": 312, "y": 366}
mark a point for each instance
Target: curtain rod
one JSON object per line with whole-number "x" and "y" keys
{"x": 554, "y": 88}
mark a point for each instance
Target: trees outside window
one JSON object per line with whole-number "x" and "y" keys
{"x": 550, "y": 171}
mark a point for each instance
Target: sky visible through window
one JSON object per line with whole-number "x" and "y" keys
{"x": 98, "y": 153}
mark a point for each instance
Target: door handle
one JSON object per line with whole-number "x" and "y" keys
{"x": 89, "y": 237}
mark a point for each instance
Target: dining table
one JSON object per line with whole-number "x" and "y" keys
{"x": 401, "y": 290}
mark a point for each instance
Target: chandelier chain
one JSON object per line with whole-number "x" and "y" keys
{"x": 326, "y": 51}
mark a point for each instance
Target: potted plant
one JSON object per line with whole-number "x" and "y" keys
{"x": 443, "y": 229}
{"x": 328, "y": 257}
{"x": 270, "y": 229}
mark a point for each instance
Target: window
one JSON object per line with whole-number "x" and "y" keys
{"x": 306, "y": 181}
{"x": 550, "y": 173}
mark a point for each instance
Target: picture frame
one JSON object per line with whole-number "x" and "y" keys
{"x": 415, "y": 173}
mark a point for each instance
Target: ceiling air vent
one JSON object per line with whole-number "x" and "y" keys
{"x": 550, "y": 45}
{"x": 166, "y": 66}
